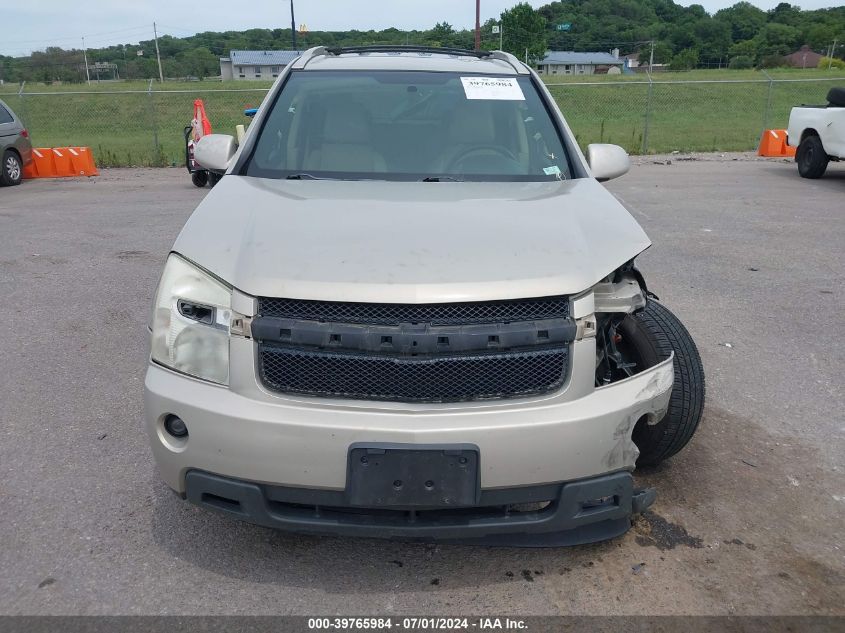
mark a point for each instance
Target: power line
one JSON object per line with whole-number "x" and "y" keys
{"x": 76, "y": 37}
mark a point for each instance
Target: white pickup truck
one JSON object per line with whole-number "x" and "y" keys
{"x": 819, "y": 134}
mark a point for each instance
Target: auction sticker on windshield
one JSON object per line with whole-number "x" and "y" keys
{"x": 498, "y": 88}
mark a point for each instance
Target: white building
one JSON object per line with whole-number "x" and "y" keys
{"x": 255, "y": 64}
{"x": 572, "y": 63}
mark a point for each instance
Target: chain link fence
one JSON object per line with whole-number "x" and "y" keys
{"x": 659, "y": 116}
{"x": 145, "y": 127}
{"x": 128, "y": 128}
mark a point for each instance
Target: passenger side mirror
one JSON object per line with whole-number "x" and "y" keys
{"x": 214, "y": 151}
{"x": 607, "y": 161}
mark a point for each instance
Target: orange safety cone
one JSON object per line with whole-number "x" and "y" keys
{"x": 200, "y": 123}
{"x": 773, "y": 144}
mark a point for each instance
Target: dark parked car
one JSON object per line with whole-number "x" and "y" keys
{"x": 15, "y": 147}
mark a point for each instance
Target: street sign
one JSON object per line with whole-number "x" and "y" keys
{"x": 495, "y": 29}
{"x": 564, "y": 27}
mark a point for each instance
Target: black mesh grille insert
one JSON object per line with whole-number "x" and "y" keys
{"x": 411, "y": 378}
{"x": 432, "y": 313}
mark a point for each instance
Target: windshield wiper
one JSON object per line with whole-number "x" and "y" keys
{"x": 303, "y": 177}
{"x": 441, "y": 179}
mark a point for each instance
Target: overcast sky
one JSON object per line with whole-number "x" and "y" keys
{"x": 36, "y": 24}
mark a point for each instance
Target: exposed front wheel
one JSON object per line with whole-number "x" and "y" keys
{"x": 811, "y": 158}
{"x": 653, "y": 334}
{"x": 199, "y": 178}
{"x": 11, "y": 171}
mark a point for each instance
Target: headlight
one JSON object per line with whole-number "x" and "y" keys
{"x": 190, "y": 323}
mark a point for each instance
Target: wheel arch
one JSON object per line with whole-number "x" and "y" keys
{"x": 16, "y": 152}
{"x": 808, "y": 132}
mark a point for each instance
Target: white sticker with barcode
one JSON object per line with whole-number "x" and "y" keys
{"x": 495, "y": 88}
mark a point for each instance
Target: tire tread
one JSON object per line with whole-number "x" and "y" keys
{"x": 686, "y": 403}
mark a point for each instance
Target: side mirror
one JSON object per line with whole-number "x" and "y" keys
{"x": 214, "y": 151}
{"x": 607, "y": 161}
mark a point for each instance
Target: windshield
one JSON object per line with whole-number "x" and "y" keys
{"x": 389, "y": 125}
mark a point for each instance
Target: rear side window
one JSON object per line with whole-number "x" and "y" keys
{"x": 5, "y": 115}
{"x": 409, "y": 125}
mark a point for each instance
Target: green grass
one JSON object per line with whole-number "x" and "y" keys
{"x": 694, "y": 116}
{"x": 130, "y": 128}
{"x": 701, "y": 74}
{"x": 126, "y": 125}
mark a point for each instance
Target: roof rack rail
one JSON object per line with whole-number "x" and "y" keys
{"x": 400, "y": 48}
{"x": 320, "y": 51}
{"x": 307, "y": 56}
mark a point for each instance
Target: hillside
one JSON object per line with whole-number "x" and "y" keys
{"x": 683, "y": 36}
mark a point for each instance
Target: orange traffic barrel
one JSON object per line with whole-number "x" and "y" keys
{"x": 773, "y": 144}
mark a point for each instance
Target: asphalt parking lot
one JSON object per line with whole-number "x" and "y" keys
{"x": 749, "y": 518}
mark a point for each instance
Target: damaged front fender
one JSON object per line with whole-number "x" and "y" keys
{"x": 649, "y": 392}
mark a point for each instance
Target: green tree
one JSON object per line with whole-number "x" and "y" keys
{"x": 745, "y": 48}
{"x": 524, "y": 28}
{"x": 741, "y": 62}
{"x": 744, "y": 18}
{"x": 687, "y": 59}
{"x": 199, "y": 62}
{"x": 778, "y": 39}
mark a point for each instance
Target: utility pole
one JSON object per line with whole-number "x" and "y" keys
{"x": 832, "y": 51}
{"x": 477, "y": 25}
{"x": 292, "y": 27}
{"x": 158, "y": 55}
{"x": 651, "y": 57}
{"x": 85, "y": 57}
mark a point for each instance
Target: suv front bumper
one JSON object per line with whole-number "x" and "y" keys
{"x": 578, "y": 512}
{"x": 252, "y": 443}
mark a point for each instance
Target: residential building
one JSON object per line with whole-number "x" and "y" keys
{"x": 803, "y": 58}
{"x": 241, "y": 65}
{"x": 572, "y": 63}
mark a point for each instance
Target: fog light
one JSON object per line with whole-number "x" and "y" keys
{"x": 175, "y": 426}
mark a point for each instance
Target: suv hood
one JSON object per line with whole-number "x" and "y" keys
{"x": 401, "y": 242}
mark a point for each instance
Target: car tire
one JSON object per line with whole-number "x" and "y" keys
{"x": 836, "y": 97}
{"x": 655, "y": 333}
{"x": 811, "y": 157}
{"x": 199, "y": 178}
{"x": 11, "y": 170}
{"x": 214, "y": 178}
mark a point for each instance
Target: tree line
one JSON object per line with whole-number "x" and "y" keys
{"x": 740, "y": 36}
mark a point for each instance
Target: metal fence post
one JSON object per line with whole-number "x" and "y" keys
{"x": 647, "y": 113}
{"x": 156, "y": 149}
{"x": 21, "y": 111}
{"x": 768, "y": 109}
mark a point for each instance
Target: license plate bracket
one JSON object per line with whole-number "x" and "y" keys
{"x": 413, "y": 476}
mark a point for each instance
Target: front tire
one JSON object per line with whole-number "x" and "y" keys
{"x": 11, "y": 170}
{"x": 811, "y": 158}
{"x": 199, "y": 178}
{"x": 655, "y": 333}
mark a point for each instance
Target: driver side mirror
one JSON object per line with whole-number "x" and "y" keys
{"x": 607, "y": 161}
{"x": 214, "y": 151}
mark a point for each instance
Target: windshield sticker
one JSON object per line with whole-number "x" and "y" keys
{"x": 554, "y": 170}
{"x": 495, "y": 88}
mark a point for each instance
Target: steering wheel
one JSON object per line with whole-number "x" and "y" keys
{"x": 479, "y": 149}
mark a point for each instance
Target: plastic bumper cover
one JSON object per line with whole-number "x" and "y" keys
{"x": 578, "y": 512}
{"x": 244, "y": 433}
